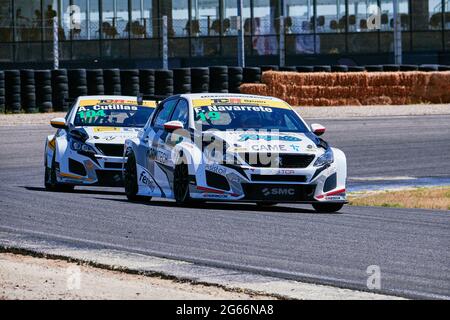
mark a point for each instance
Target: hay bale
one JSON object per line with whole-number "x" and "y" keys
{"x": 254, "y": 88}
{"x": 358, "y": 88}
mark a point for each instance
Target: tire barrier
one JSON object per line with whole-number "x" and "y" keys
{"x": 356, "y": 69}
{"x": 182, "y": 80}
{"x": 304, "y": 68}
{"x": 12, "y": 91}
{"x": 428, "y": 67}
{"x": 44, "y": 90}
{"x": 163, "y": 84}
{"x": 391, "y": 67}
{"x": 200, "y": 80}
{"x": 408, "y": 67}
{"x": 95, "y": 83}
{"x": 2, "y": 92}
{"x": 28, "y": 90}
{"x": 235, "y": 78}
{"x": 269, "y": 67}
{"x": 218, "y": 79}
{"x": 358, "y": 88}
{"x": 287, "y": 68}
{"x": 374, "y": 68}
{"x": 60, "y": 89}
{"x": 339, "y": 68}
{"x": 147, "y": 82}
{"x": 129, "y": 80}
{"x": 252, "y": 75}
{"x": 112, "y": 81}
{"x": 322, "y": 69}
{"x": 77, "y": 83}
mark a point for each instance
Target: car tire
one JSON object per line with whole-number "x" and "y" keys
{"x": 50, "y": 180}
{"x": 181, "y": 185}
{"x": 130, "y": 181}
{"x": 327, "y": 207}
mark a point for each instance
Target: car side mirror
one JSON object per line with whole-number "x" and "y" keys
{"x": 58, "y": 123}
{"x": 318, "y": 129}
{"x": 173, "y": 125}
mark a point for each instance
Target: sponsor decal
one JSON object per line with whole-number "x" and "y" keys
{"x": 286, "y": 171}
{"x": 267, "y": 137}
{"x": 239, "y": 108}
{"x": 101, "y": 108}
{"x": 269, "y": 147}
{"x": 158, "y": 155}
{"x": 146, "y": 180}
{"x": 278, "y": 191}
{"x": 200, "y": 103}
{"x": 334, "y": 198}
{"x": 95, "y": 102}
{"x": 106, "y": 129}
{"x": 215, "y": 195}
{"x": 215, "y": 168}
{"x": 295, "y": 147}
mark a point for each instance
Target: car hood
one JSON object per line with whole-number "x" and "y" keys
{"x": 113, "y": 135}
{"x": 277, "y": 142}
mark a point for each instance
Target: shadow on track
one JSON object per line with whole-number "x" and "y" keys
{"x": 223, "y": 206}
{"x": 104, "y": 192}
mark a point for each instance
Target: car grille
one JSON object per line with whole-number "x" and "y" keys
{"x": 113, "y": 165}
{"x": 112, "y": 150}
{"x": 285, "y": 160}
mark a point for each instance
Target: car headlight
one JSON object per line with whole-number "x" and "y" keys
{"x": 326, "y": 158}
{"x": 80, "y": 146}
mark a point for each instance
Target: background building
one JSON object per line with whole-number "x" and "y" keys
{"x": 127, "y": 33}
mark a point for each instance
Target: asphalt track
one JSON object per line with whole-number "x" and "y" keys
{"x": 289, "y": 241}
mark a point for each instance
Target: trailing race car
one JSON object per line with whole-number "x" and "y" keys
{"x": 88, "y": 147}
{"x": 233, "y": 147}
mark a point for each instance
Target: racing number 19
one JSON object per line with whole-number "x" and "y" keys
{"x": 212, "y": 115}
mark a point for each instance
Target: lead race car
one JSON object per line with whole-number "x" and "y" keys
{"x": 233, "y": 147}
{"x": 87, "y": 148}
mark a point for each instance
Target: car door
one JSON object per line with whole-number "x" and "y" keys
{"x": 165, "y": 158}
{"x": 158, "y": 156}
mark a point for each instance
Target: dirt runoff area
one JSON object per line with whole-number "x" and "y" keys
{"x": 26, "y": 277}
{"x": 437, "y": 198}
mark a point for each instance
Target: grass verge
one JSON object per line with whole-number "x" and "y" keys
{"x": 424, "y": 198}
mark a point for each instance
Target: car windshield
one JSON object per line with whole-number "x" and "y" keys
{"x": 117, "y": 115}
{"x": 235, "y": 117}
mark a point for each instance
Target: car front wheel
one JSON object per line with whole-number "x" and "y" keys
{"x": 130, "y": 180}
{"x": 181, "y": 185}
{"x": 50, "y": 181}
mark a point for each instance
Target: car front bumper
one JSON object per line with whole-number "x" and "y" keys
{"x": 249, "y": 184}
{"x": 95, "y": 170}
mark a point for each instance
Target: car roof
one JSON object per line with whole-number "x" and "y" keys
{"x": 193, "y": 96}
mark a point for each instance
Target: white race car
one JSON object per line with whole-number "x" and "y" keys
{"x": 233, "y": 147}
{"x": 87, "y": 148}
